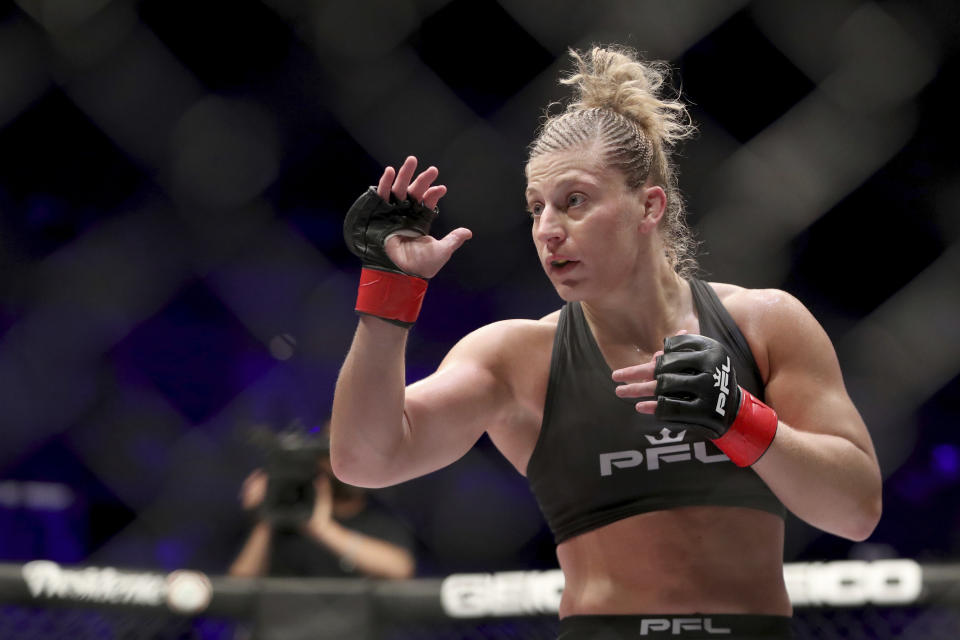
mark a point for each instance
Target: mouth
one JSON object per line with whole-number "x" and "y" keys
{"x": 561, "y": 266}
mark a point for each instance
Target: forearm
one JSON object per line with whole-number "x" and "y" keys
{"x": 254, "y": 559}
{"x": 369, "y": 556}
{"x": 825, "y": 480}
{"x": 366, "y": 424}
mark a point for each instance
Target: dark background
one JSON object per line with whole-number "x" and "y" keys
{"x": 173, "y": 177}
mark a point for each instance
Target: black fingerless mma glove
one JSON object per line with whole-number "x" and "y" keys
{"x": 386, "y": 290}
{"x": 697, "y": 387}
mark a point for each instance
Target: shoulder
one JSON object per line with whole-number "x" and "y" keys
{"x": 501, "y": 367}
{"x": 773, "y": 321}
{"x": 752, "y": 306}
{"x": 507, "y": 342}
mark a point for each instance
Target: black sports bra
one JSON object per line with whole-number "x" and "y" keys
{"x": 597, "y": 460}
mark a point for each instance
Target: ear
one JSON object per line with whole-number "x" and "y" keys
{"x": 654, "y": 203}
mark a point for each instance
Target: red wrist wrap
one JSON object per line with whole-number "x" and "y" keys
{"x": 389, "y": 295}
{"x": 751, "y": 432}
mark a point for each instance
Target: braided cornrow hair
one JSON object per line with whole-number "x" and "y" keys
{"x": 618, "y": 105}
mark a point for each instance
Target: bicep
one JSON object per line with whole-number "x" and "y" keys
{"x": 805, "y": 384}
{"x": 447, "y": 412}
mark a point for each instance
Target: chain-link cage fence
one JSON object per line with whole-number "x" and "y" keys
{"x": 173, "y": 179}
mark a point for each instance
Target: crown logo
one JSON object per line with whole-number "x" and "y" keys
{"x": 666, "y": 437}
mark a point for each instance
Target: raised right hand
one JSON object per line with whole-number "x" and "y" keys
{"x": 388, "y": 228}
{"x": 418, "y": 254}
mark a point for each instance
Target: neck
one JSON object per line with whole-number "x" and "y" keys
{"x": 652, "y": 309}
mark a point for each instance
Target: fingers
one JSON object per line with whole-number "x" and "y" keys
{"x": 402, "y": 184}
{"x": 386, "y": 180}
{"x": 420, "y": 189}
{"x": 647, "y": 406}
{"x": 455, "y": 239}
{"x": 638, "y": 382}
{"x": 421, "y": 184}
{"x": 636, "y": 373}
{"x": 637, "y": 390}
{"x": 433, "y": 195}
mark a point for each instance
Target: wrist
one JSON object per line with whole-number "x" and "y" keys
{"x": 751, "y": 432}
{"x": 263, "y": 528}
{"x": 391, "y": 296}
{"x": 318, "y": 528}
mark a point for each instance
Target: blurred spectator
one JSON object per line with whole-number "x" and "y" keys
{"x": 309, "y": 524}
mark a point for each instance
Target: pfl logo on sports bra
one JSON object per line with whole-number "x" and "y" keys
{"x": 663, "y": 451}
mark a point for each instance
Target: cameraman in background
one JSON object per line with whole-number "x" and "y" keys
{"x": 309, "y": 524}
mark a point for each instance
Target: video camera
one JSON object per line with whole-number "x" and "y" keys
{"x": 292, "y": 466}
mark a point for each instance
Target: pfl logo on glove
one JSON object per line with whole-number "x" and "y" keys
{"x": 722, "y": 378}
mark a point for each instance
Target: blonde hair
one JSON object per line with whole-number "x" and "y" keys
{"x": 618, "y": 105}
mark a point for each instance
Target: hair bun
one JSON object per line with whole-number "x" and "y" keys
{"x": 615, "y": 78}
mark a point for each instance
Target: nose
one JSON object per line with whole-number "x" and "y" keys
{"x": 548, "y": 228}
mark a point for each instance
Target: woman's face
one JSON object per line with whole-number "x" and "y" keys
{"x": 585, "y": 222}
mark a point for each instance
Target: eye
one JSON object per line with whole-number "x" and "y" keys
{"x": 535, "y": 209}
{"x": 575, "y": 199}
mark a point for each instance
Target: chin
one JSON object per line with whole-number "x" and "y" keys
{"x": 568, "y": 293}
